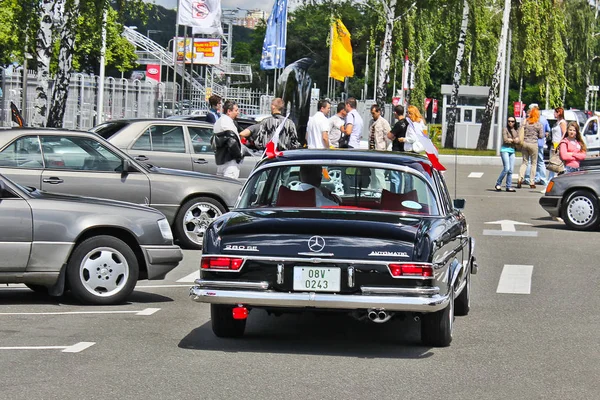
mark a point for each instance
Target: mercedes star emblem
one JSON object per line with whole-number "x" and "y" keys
{"x": 316, "y": 243}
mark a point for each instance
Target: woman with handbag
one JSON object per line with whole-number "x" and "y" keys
{"x": 510, "y": 137}
{"x": 572, "y": 148}
{"x": 558, "y": 132}
{"x": 533, "y": 131}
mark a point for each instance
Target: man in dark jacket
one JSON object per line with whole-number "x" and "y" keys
{"x": 288, "y": 137}
{"x": 226, "y": 142}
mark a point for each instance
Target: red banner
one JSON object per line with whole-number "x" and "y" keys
{"x": 153, "y": 72}
{"x": 395, "y": 101}
{"x": 434, "y": 108}
{"x": 519, "y": 109}
{"x": 427, "y": 102}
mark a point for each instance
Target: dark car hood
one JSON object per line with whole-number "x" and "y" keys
{"x": 191, "y": 174}
{"x": 43, "y": 195}
{"x": 347, "y": 234}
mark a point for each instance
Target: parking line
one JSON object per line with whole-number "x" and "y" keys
{"x": 146, "y": 311}
{"x": 76, "y": 348}
{"x": 515, "y": 279}
{"x": 475, "y": 175}
{"x": 190, "y": 278}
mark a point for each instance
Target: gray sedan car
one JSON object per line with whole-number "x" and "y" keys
{"x": 98, "y": 249}
{"x": 83, "y": 164}
{"x": 170, "y": 143}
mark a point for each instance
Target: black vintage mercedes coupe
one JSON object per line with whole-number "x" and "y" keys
{"x": 372, "y": 234}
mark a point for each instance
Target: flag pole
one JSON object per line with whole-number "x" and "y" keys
{"x": 175, "y": 43}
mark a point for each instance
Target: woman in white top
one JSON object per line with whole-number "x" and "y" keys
{"x": 558, "y": 132}
{"x": 416, "y": 129}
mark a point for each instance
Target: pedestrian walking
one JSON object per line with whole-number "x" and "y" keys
{"x": 288, "y": 137}
{"x": 540, "y": 171}
{"x": 533, "y": 131}
{"x": 226, "y": 142}
{"x": 337, "y": 129}
{"x": 416, "y": 129}
{"x": 572, "y": 148}
{"x": 510, "y": 139}
{"x": 558, "y": 132}
{"x": 317, "y": 130}
{"x": 214, "y": 103}
{"x": 354, "y": 123}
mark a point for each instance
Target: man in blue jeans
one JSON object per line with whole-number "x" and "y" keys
{"x": 540, "y": 173}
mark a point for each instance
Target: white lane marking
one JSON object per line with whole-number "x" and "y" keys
{"x": 190, "y": 278}
{"x": 475, "y": 175}
{"x": 508, "y": 225}
{"x": 515, "y": 279}
{"x": 76, "y": 348}
{"x": 489, "y": 232}
{"x": 147, "y": 311}
{"x": 161, "y": 286}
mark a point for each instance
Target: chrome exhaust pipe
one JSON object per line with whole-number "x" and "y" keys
{"x": 372, "y": 315}
{"x": 382, "y": 314}
{"x": 417, "y": 318}
{"x": 379, "y": 316}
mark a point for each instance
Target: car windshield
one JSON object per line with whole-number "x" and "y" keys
{"x": 108, "y": 129}
{"x": 342, "y": 187}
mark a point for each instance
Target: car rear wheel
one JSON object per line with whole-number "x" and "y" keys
{"x": 223, "y": 323}
{"x": 193, "y": 219}
{"x": 436, "y": 328}
{"x": 462, "y": 304}
{"x": 580, "y": 211}
{"x": 102, "y": 270}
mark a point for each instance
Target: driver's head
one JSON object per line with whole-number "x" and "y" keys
{"x": 311, "y": 174}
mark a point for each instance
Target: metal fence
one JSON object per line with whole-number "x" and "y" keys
{"x": 123, "y": 98}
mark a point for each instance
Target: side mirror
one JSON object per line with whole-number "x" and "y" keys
{"x": 128, "y": 167}
{"x": 459, "y": 204}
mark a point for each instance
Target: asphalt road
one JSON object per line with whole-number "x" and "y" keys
{"x": 540, "y": 345}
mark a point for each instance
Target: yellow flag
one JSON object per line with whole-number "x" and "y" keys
{"x": 340, "y": 65}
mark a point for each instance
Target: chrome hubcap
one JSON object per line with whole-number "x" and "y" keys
{"x": 580, "y": 210}
{"x": 104, "y": 272}
{"x": 197, "y": 218}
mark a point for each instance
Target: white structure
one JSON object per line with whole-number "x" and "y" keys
{"x": 469, "y": 115}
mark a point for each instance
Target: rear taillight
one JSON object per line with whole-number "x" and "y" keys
{"x": 221, "y": 263}
{"x": 422, "y": 270}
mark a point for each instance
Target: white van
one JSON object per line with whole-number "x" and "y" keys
{"x": 592, "y": 136}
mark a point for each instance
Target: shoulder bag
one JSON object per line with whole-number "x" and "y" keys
{"x": 555, "y": 164}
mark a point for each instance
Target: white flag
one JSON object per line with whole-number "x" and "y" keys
{"x": 204, "y": 16}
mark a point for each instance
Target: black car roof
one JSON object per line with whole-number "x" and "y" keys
{"x": 388, "y": 157}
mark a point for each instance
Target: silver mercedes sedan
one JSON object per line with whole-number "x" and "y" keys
{"x": 84, "y": 164}
{"x": 98, "y": 249}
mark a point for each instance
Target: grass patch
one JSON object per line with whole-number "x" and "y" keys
{"x": 435, "y": 132}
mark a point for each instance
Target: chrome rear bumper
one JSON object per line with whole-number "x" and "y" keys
{"x": 269, "y": 298}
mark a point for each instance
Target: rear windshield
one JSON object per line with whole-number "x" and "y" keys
{"x": 108, "y": 129}
{"x": 340, "y": 187}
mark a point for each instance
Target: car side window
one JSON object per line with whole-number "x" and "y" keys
{"x": 79, "y": 154}
{"x": 200, "y": 137}
{"x": 167, "y": 138}
{"x": 22, "y": 153}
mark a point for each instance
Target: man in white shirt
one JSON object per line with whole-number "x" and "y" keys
{"x": 310, "y": 176}
{"x": 338, "y": 122}
{"x": 317, "y": 130}
{"x": 354, "y": 123}
{"x": 226, "y": 142}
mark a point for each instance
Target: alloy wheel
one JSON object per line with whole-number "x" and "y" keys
{"x": 197, "y": 219}
{"x": 104, "y": 271}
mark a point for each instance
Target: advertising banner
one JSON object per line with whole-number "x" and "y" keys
{"x": 153, "y": 72}
{"x": 427, "y": 102}
{"x": 204, "y": 16}
{"x": 395, "y": 101}
{"x": 519, "y": 109}
{"x": 206, "y": 51}
{"x": 434, "y": 108}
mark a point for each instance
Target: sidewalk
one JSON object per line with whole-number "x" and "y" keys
{"x": 447, "y": 159}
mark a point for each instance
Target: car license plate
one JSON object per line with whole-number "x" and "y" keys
{"x": 317, "y": 279}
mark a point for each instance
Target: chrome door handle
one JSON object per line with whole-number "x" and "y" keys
{"x": 53, "y": 180}
{"x": 141, "y": 158}
{"x": 200, "y": 161}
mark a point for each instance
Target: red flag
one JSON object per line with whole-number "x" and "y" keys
{"x": 16, "y": 115}
{"x": 271, "y": 147}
